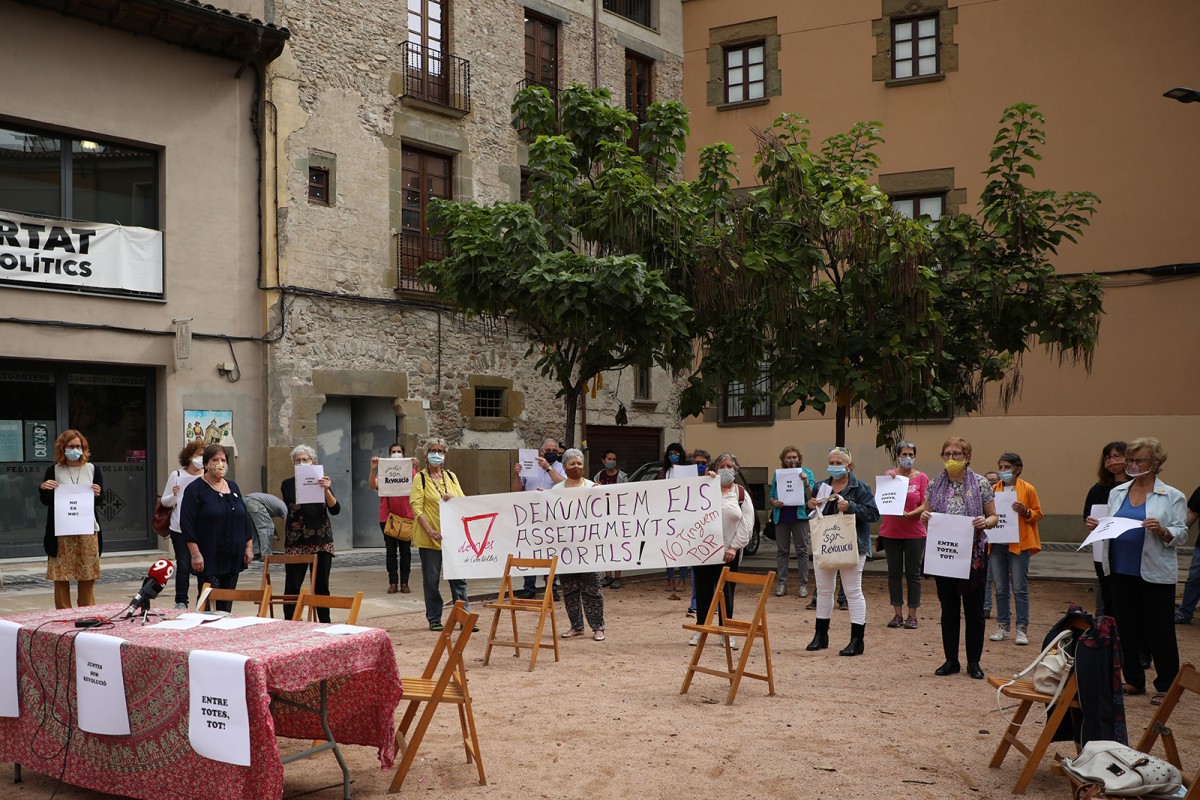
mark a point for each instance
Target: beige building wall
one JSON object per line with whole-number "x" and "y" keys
{"x": 1097, "y": 70}
{"x": 193, "y": 110}
{"x": 337, "y": 100}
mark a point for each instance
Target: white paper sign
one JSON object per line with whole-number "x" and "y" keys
{"x": 824, "y": 490}
{"x": 948, "y": 545}
{"x": 395, "y": 477}
{"x": 218, "y": 721}
{"x": 74, "y": 510}
{"x": 789, "y": 486}
{"x": 233, "y": 623}
{"x": 1008, "y": 527}
{"x": 529, "y": 465}
{"x": 342, "y": 629}
{"x": 646, "y": 525}
{"x": 9, "y": 706}
{"x": 307, "y": 488}
{"x": 681, "y": 472}
{"x": 1098, "y": 512}
{"x": 100, "y": 684}
{"x": 180, "y": 624}
{"x": 1110, "y": 528}
{"x": 890, "y": 493}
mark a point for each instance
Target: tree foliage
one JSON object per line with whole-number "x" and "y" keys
{"x": 591, "y": 267}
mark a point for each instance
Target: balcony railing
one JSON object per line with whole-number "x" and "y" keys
{"x": 553, "y": 90}
{"x": 410, "y": 251}
{"x": 436, "y": 77}
{"x": 636, "y": 10}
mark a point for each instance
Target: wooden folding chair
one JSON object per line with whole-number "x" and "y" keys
{"x": 443, "y": 681}
{"x": 752, "y": 630}
{"x": 260, "y": 597}
{"x": 306, "y": 600}
{"x": 1024, "y": 692}
{"x": 508, "y": 601}
{"x": 288, "y": 599}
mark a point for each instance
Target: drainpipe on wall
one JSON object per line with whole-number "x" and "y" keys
{"x": 595, "y": 44}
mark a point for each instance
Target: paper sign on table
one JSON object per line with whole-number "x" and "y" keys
{"x": 1110, "y": 528}
{"x": 307, "y": 488}
{"x": 218, "y": 720}
{"x": 343, "y": 629}
{"x": 100, "y": 684}
{"x": 233, "y": 623}
{"x": 395, "y": 477}
{"x": 948, "y": 545}
{"x": 74, "y": 509}
{"x": 529, "y": 465}
{"x": 890, "y": 493}
{"x": 1098, "y": 512}
{"x": 789, "y": 486}
{"x": 1008, "y": 527}
{"x": 9, "y": 706}
{"x": 176, "y": 624}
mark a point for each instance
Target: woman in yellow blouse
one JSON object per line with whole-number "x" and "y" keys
{"x": 432, "y": 485}
{"x": 1009, "y": 563}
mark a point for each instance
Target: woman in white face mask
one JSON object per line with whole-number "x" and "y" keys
{"x": 737, "y": 521}
{"x": 1142, "y": 565}
{"x": 191, "y": 458}
{"x": 71, "y": 558}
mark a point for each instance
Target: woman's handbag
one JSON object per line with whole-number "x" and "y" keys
{"x": 834, "y": 541}
{"x": 1049, "y": 671}
{"x": 398, "y": 527}
{"x": 160, "y": 522}
{"x": 1122, "y": 771}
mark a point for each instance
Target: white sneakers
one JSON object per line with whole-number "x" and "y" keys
{"x": 695, "y": 640}
{"x": 1000, "y": 635}
{"x": 1022, "y": 638}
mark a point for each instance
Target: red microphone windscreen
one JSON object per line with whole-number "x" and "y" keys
{"x": 161, "y": 571}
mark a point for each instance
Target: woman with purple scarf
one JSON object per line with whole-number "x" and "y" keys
{"x": 958, "y": 490}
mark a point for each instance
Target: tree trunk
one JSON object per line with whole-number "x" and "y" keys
{"x": 839, "y": 437}
{"x": 571, "y": 406}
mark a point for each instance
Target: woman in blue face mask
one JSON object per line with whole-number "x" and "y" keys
{"x": 71, "y": 558}
{"x": 848, "y": 495}
{"x": 1008, "y": 564}
{"x": 674, "y": 456}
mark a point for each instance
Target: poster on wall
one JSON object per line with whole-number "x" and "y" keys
{"x": 12, "y": 445}
{"x": 209, "y": 426}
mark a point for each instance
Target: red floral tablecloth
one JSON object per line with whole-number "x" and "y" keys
{"x": 156, "y": 761}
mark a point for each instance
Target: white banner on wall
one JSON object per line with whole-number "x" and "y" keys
{"x": 645, "y": 525}
{"x": 56, "y": 253}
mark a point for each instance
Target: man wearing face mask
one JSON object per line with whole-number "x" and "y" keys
{"x": 551, "y": 473}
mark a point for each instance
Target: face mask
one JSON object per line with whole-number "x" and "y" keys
{"x": 218, "y": 468}
{"x": 791, "y": 463}
{"x": 436, "y": 459}
{"x": 395, "y": 455}
{"x": 610, "y": 465}
{"x": 73, "y": 454}
{"x": 198, "y": 462}
{"x": 905, "y": 461}
{"x": 550, "y": 457}
{"x": 955, "y": 468}
{"x": 673, "y": 458}
{"x": 1006, "y": 475}
{"x": 574, "y": 473}
{"x": 726, "y": 476}
{"x": 1130, "y": 472}
{"x": 837, "y": 471}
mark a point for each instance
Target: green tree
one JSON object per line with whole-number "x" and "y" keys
{"x": 819, "y": 284}
{"x": 590, "y": 268}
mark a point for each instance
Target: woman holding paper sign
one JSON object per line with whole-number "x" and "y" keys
{"x": 1110, "y": 473}
{"x": 848, "y": 495}
{"x": 308, "y": 531}
{"x": 1009, "y": 563}
{"x": 581, "y": 591}
{"x": 904, "y": 538}
{"x": 791, "y": 521}
{"x": 401, "y": 507}
{"x": 1143, "y": 565}
{"x": 432, "y": 485}
{"x": 958, "y": 490}
{"x": 71, "y": 558}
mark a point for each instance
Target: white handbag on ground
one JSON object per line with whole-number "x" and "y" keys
{"x": 1048, "y": 673}
{"x": 1123, "y": 771}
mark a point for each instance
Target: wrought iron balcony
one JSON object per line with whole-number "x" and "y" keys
{"x": 553, "y": 90}
{"x": 410, "y": 251}
{"x": 636, "y": 10}
{"x": 432, "y": 76}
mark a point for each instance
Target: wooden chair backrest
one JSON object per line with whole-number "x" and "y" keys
{"x": 447, "y": 655}
{"x": 1187, "y": 680}
{"x": 260, "y": 597}
{"x": 308, "y": 600}
{"x": 513, "y": 563}
{"x": 763, "y": 582}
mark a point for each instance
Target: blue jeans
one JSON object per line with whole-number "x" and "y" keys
{"x": 431, "y": 578}
{"x": 1002, "y": 562}
{"x": 1191, "y": 590}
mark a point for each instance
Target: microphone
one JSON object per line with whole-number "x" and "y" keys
{"x": 156, "y": 578}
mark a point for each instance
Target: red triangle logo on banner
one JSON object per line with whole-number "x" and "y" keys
{"x": 475, "y": 522}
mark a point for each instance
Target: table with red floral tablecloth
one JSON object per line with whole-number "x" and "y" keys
{"x": 156, "y": 761}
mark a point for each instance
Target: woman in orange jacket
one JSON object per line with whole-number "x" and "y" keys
{"x": 1009, "y": 563}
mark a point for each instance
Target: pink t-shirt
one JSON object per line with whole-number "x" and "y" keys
{"x": 907, "y": 527}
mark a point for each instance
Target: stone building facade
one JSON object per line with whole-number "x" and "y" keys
{"x": 371, "y": 110}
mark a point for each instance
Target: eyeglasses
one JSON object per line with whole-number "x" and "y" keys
{"x": 954, "y": 455}
{"x": 443, "y": 452}
{"x": 702, "y": 463}
{"x": 1139, "y": 462}
{"x": 1115, "y": 457}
